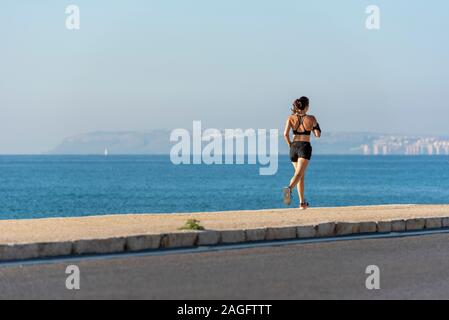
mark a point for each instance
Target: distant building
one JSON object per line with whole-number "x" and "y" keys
{"x": 387, "y": 145}
{"x": 366, "y": 150}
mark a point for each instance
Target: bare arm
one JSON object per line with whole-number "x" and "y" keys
{"x": 288, "y": 127}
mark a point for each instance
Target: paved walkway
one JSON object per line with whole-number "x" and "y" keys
{"x": 103, "y": 227}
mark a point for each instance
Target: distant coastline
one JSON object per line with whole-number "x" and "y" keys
{"x": 157, "y": 143}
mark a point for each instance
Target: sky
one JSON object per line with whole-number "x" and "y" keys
{"x": 150, "y": 64}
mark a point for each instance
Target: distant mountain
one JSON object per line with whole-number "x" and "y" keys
{"x": 158, "y": 142}
{"x": 153, "y": 142}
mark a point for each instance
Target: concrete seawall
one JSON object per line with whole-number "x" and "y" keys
{"x": 44, "y": 238}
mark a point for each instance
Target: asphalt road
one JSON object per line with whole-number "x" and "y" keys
{"x": 411, "y": 268}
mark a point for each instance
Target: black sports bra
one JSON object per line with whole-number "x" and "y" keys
{"x": 296, "y": 131}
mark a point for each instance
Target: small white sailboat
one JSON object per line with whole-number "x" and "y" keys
{"x": 106, "y": 152}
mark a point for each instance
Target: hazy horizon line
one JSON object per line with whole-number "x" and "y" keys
{"x": 280, "y": 129}
{"x": 168, "y": 155}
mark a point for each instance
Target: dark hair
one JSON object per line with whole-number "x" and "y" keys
{"x": 297, "y": 105}
{"x": 304, "y": 101}
{"x": 300, "y": 104}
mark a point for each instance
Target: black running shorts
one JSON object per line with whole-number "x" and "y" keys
{"x": 301, "y": 150}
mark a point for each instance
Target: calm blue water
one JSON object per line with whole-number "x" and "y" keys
{"x": 59, "y": 186}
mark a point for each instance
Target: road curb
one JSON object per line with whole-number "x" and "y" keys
{"x": 187, "y": 239}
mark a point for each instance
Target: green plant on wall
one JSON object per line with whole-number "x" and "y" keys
{"x": 192, "y": 224}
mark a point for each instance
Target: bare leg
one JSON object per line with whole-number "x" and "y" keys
{"x": 295, "y": 165}
{"x": 302, "y": 199}
{"x": 300, "y": 171}
{"x": 300, "y": 194}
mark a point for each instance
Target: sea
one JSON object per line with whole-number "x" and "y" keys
{"x": 71, "y": 186}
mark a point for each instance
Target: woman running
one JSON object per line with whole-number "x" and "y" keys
{"x": 300, "y": 149}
